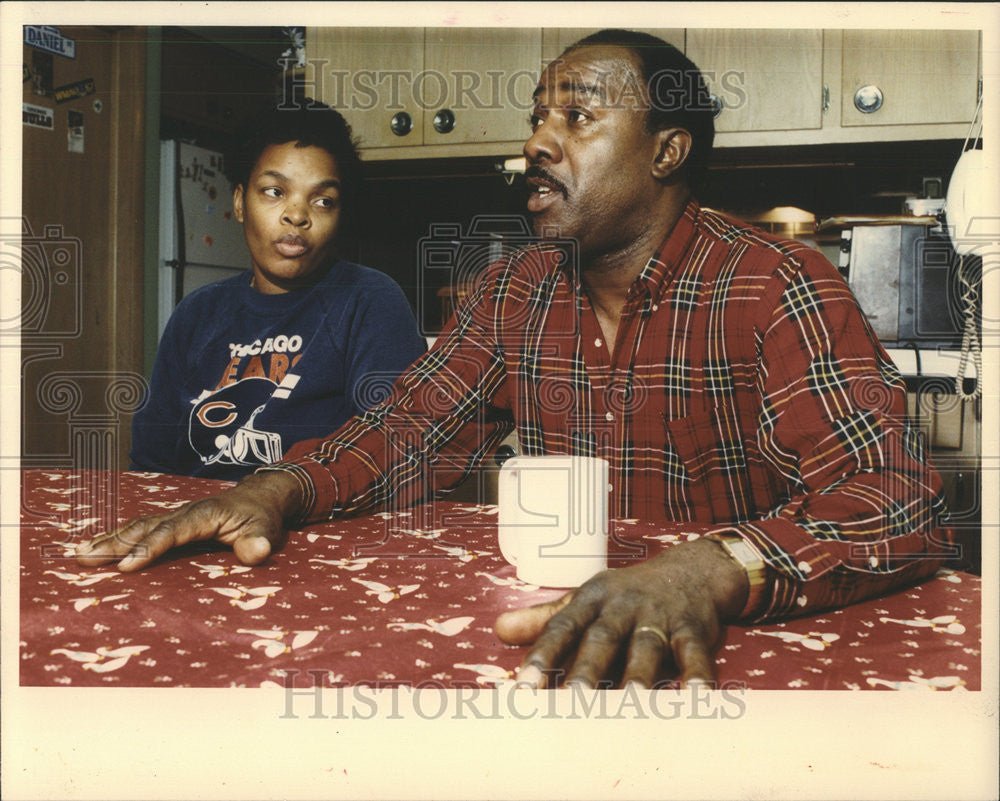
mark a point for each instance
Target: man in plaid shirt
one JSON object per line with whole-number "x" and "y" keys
{"x": 727, "y": 376}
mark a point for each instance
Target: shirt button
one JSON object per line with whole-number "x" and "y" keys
{"x": 597, "y": 342}
{"x": 873, "y": 561}
{"x": 655, "y": 307}
{"x": 801, "y": 600}
{"x": 609, "y": 416}
{"x": 805, "y": 567}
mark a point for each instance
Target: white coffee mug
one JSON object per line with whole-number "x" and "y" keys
{"x": 553, "y": 518}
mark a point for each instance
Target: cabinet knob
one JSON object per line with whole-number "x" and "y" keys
{"x": 444, "y": 121}
{"x": 868, "y": 99}
{"x": 716, "y": 103}
{"x": 401, "y": 123}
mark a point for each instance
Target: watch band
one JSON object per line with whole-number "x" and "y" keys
{"x": 752, "y": 562}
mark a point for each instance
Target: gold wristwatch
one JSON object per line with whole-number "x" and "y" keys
{"x": 752, "y": 562}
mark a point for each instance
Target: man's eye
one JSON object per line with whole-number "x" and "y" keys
{"x": 271, "y": 191}
{"x": 575, "y": 115}
{"x": 534, "y": 121}
{"x": 326, "y": 202}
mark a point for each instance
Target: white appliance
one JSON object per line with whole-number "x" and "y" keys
{"x": 200, "y": 240}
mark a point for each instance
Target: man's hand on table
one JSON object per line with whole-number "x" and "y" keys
{"x": 250, "y": 517}
{"x": 686, "y": 593}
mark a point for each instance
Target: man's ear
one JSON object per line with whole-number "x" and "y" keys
{"x": 238, "y": 203}
{"x": 673, "y": 146}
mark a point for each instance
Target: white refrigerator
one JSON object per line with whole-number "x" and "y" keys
{"x": 200, "y": 240}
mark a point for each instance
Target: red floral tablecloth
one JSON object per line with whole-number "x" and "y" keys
{"x": 402, "y": 598}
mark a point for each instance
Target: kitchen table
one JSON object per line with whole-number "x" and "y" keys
{"x": 401, "y": 598}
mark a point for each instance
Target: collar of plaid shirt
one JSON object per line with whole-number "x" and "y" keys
{"x": 660, "y": 268}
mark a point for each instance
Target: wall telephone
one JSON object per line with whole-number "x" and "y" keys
{"x": 965, "y": 211}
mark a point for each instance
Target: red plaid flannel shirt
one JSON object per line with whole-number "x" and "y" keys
{"x": 746, "y": 394}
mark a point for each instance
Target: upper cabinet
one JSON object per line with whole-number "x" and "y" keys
{"x": 480, "y": 83}
{"x": 369, "y": 75}
{"x": 762, "y": 80}
{"x": 909, "y": 77}
{"x": 408, "y": 92}
{"x": 444, "y": 92}
{"x": 807, "y": 87}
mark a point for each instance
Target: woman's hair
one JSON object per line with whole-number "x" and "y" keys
{"x": 308, "y": 124}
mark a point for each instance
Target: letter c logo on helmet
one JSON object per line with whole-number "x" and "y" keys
{"x": 206, "y": 417}
{"x": 222, "y": 426}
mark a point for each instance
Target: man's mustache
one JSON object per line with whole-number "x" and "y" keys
{"x": 534, "y": 171}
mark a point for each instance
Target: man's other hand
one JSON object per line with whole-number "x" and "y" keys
{"x": 250, "y": 517}
{"x": 671, "y": 605}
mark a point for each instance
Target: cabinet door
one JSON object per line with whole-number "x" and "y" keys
{"x": 922, "y": 76}
{"x": 766, "y": 80}
{"x": 369, "y": 75}
{"x": 483, "y": 77}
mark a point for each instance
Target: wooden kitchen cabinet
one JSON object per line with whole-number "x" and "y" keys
{"x": 488, "y": 76}
{"x": 776, "y": 87}
{"x": 923, "y": 77}
{"x": 763, "y": 80}
{"x": 369, "y": 74}
{"x": 415, "y": 87}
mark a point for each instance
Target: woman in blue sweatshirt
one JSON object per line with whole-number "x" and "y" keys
{"x": 288, "y": 351}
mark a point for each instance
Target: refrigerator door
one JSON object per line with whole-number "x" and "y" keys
{"x": 200, "y": 241}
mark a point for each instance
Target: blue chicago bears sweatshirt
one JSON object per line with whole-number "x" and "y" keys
{"x": 241, "y": 376}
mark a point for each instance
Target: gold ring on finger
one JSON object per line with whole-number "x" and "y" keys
{"x": 657, "y": 631}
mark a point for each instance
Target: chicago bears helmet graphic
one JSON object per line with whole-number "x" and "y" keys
{"x": 221, "y": 427}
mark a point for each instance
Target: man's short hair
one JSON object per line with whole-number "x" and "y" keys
{"x": 309, "y": 124}
{"x": 678, "y": 95}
